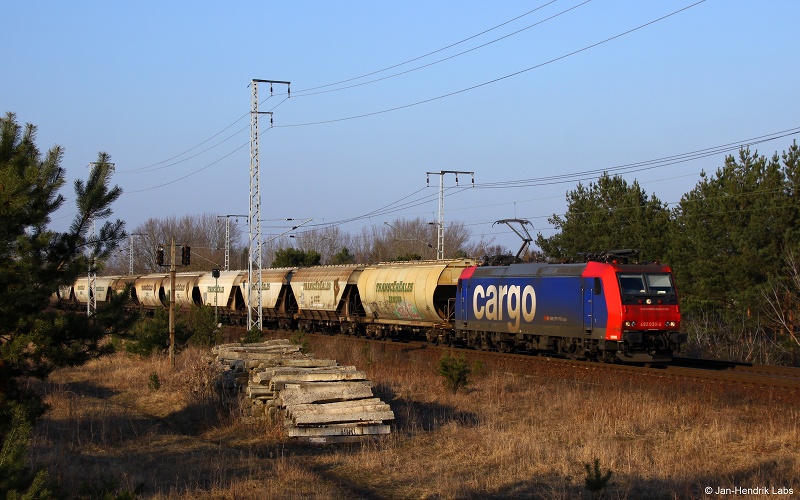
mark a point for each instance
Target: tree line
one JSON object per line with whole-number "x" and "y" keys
{"x": 402, "y": 239}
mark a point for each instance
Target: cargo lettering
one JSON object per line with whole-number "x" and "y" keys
{"x": 317, "y": 285}
{"x": 395, "y": 286}
{"x": 492, "y": 301}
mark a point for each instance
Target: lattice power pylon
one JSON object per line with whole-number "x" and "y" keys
{"x": 227, "y": 218}
{"x": 254, "y": 311}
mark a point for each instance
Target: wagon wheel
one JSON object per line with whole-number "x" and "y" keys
{"x": 606, "y": 357}
{"x": 504, "y": 347}
{"x": 572, "y": 351}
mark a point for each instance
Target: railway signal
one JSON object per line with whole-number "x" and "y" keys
{"x": 186, "y": 256}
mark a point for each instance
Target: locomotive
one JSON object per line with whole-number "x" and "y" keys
{"x": 601, "y": 309}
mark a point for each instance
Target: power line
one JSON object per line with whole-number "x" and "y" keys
{"x": 146, "y": 168}
{"x": 425, "y": 55}
{"x": 447, "y": 58}
{"x": 151, "y": 166}
{"x": 190, "y": 173}
{"x": 510, "y": 75}
{"x": 397, "y": 206}
{"x": 155, "y": 166}
{"x": 640, "y": 166}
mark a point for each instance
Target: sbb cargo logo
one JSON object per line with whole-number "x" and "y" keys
{"x": 505, "y": 301}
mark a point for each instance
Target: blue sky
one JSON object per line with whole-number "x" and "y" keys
{"x": 164, "y": 88}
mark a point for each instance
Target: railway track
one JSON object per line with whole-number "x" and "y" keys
{"x": 682, "y": 368}
{"x": 766, "y": 375}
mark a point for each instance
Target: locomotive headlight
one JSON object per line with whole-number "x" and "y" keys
{"x": 630, "y": 324}
{"x": 671, "y": 324}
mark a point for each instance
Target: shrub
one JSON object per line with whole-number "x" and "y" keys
{"x": 151, "y": 335}
{"x": 299, "y": 338}
{"x": 455, "y": 371}
{"x": 202, "y": 326}
{"x": 17, "y": 479}
{"x": 154, "y": 383}
{"x": 595, "y": 480}
{"x": 253, "y": 335}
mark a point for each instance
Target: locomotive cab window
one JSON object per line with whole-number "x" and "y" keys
{"x": 660, "y": 284}
{"x": 632, "y": 284}
{"x": 639, "y": 286}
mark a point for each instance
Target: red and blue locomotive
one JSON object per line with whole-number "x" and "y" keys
{"x": 600, "y": 310}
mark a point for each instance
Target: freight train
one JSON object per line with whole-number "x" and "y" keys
{"x": 601, "y": 309}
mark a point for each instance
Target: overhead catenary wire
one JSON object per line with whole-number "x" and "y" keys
{"x": 517, "y": 183}
{"x": 300, "y": 92}
{"x": 155, "y": 166}
{"x": 642, "y": 165}
{"x": 427, "y": 54}
{"x": 495, "y": 80}
{"x": 387, "y": 211}
{"x": 433, "y": 98}
{"x": 448, "y": 57}
{"x": 585, "y": 175}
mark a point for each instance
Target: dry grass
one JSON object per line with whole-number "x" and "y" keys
{"x": 507, "y": 436}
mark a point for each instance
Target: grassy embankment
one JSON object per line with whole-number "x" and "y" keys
{"x": 125, "y": 424}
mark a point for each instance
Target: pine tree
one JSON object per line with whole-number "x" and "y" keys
{"x": 292, "y": 257}
{"x": 609, "y": 214}
{"x": 730, "y": 233}
{"x": 34, "y": 261}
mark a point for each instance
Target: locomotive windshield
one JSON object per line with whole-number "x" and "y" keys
{"x": 642, "y": 286}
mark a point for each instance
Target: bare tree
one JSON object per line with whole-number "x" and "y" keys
{"x": 203, "y": 234}
{"x": 326, "y": 242}
{"x": 712, "y": 337}
{"x": 782, "y": 297}
{"x": 405, "y": 238}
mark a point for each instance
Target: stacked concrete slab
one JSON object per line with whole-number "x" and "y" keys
{"x": 317, "y": 399}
